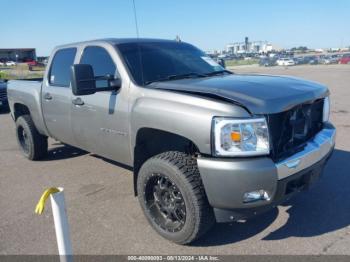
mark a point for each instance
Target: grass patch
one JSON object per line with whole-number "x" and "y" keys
{"x": 38, "y": 68}
{"x": 241, "y": 62}
{"x": 20, "y": 75}
{"x": 21, "y": 71}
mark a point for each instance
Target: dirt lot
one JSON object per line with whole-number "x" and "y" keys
{"x": 105, "y": 218}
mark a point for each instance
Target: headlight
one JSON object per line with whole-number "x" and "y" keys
{"x": 240, "y": 137}
{"x": 326, "y": 109}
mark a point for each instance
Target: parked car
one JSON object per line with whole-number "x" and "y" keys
{"x": 205, "y": 145}
{"x": 299, "y": 60}
{"x": 267, "y": 62}
{"x": 345, "y": 59}
{"x": 313, "y": 60}
{"x": 327, "y": 60}
{"x": 10, "y": 63}
{"x": 3, "y": 94}
{"x": 2, "y": 64}
{"x": 306, "y": 60}
{"x": 285, "y": 62}
{"x": 45, "y": 61}
{"x": 32, "y": 63}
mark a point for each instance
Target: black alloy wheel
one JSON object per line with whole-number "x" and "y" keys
{"x": 23, "y": 139}
{"x": 165, "y": 203}
{"x": 172, "y": 197}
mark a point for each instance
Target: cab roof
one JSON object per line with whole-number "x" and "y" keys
{"x": 116, "y": 41}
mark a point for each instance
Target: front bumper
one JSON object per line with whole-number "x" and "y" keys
{"x": 227, "y": 180}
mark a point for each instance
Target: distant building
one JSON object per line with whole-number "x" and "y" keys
{"x": 334, "y": 49}
{"x": 319, "y": 50}
{"x": 344, "y": 49}
{"x": 17, "y": 54}
{"x": 247, "y": 47}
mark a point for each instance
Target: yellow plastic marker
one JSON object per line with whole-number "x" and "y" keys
{"x": 41, "y": 204}
{"x": 60, "y": 219}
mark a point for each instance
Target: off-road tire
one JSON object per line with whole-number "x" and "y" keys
{"x": 35, "y": 147}
{"x": 182, "y": 170}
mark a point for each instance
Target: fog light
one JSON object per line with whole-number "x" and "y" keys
{"x": 255, "y": 196}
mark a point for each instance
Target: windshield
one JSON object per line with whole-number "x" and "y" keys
{"x": 164, "y": 61}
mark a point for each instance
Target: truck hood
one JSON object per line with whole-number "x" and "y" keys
{"x": 260, "y": 94}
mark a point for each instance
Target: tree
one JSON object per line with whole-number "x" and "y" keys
{"x": 300, "y": 49}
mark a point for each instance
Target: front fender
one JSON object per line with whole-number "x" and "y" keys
{"x": 189, "y": 116}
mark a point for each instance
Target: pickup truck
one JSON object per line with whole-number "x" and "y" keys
{"x": 205, "y": 145}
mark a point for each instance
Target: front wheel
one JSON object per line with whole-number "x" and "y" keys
{"x": 34, "y": 145}
{"x": 172, "y": 197}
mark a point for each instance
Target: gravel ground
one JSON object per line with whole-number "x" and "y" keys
{"x": 105, "y": 218}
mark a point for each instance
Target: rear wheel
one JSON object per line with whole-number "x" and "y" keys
{"x": 172, "y": 197}
{"x": 34, "y": 145}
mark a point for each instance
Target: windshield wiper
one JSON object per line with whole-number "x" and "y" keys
{"x": 221, "y": 72}
{"x": 177, "y": 77}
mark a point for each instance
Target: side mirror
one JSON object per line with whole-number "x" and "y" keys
{"x": 83, "y": 80}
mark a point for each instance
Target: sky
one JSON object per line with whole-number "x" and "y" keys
{"x": 208, "y": 24}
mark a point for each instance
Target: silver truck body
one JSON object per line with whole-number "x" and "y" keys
{"x": 110, "y": 123}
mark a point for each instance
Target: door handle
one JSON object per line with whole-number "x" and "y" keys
{"x": 78, "y": 101}
{"x": 47, "y": 96}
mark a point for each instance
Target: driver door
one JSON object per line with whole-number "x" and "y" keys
{"x": 99, "y": 121}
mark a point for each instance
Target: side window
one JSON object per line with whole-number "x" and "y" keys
{"x": 60, "y": 68}
{"x": 101, "y": 62}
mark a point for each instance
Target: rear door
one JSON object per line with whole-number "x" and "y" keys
{"x": 57, "y": 94}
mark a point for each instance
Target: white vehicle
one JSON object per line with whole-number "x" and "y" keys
{"x": 10, "y": 63}
{"x": 285, "y": 62}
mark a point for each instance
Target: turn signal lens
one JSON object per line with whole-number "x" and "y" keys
{"x": 236, "y": 137}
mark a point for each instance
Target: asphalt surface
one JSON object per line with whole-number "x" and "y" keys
{"x": 105, "y": 218}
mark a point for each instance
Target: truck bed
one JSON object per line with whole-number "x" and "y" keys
{"x": 27, "y": 93}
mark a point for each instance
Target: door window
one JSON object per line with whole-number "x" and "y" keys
{"x": 101, "y": 62}
{"x": 60, "y": 67}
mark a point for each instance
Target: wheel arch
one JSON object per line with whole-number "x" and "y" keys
{"x": 151, "y": 142}
{"x": 20, "y": 109}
